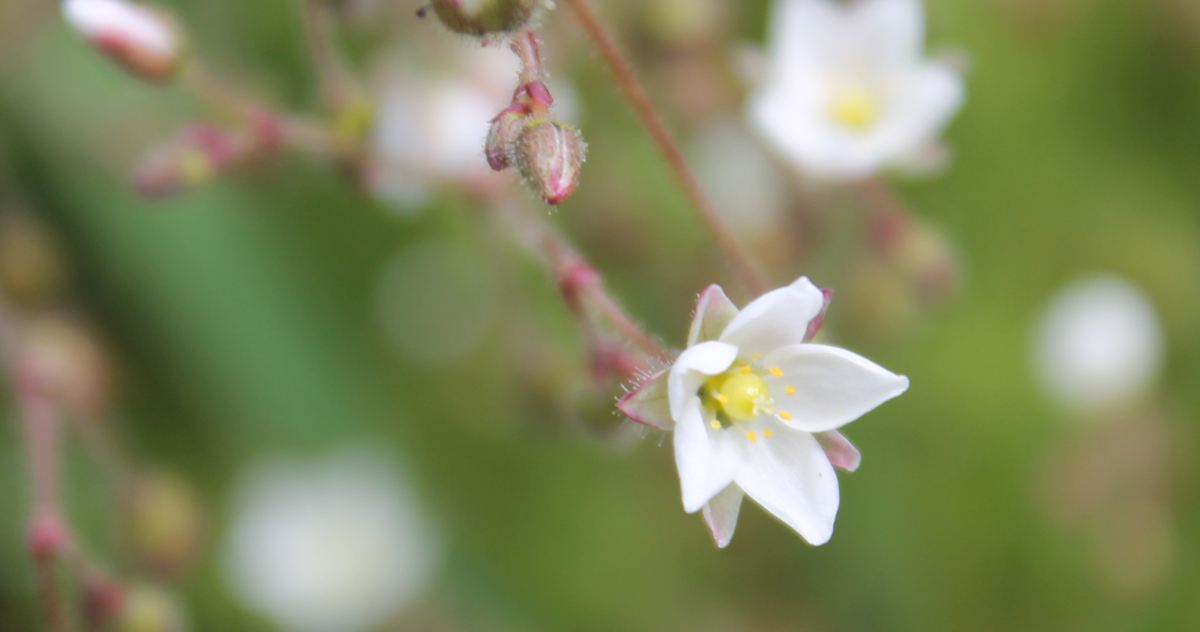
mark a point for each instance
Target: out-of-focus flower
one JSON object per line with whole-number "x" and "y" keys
{"x": 746, "y": 186}
{"x": 1099, "y": 345}
{"x": 166, "y": 525}
{"x": 431, "y": 129}
{"x": 337, "y": 546}
{"x": 73, "y": 363}
{"x": 146, "y": 608}
{"x": 848, "y": 91}
{"x": 144, "y": 40}
{"x": 755, "y": 408}
{"x": 32, "y": 270}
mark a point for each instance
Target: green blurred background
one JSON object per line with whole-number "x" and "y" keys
{"x": 245, "y": 320}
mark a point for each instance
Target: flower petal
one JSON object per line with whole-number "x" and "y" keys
{"x": 814, "y": 325}
{"x": 840, "y": 451}
{"x": 707, "y": 461}
{"x": 691, "y": 369}
{"x": 790, "y": 476}
{"x": 775, "y": 319}
{"x": 893, "y": 31}
{"x": 721, "y": 514}
{"x": 649, "y": 403}
{"x": 714, "y": 310}
{"x": 829, "y": 387}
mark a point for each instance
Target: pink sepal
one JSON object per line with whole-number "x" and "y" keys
{"x": 648, "y": 404}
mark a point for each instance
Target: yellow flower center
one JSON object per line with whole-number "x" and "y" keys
{"x": 739, "y": 394}
{"x": 855, "y": 109}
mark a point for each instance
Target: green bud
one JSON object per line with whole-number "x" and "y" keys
{"x": 484, "y": 17}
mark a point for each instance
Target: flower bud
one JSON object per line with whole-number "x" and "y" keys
{"x": 502, "y": 139}
{"x": 149, "y": 609}
{"x": 165, "y": 525}
{"x": 549, "y": 155}
{"x": 72, "y": 364}
{"x": 194, "y": 158}
{"x": 32, "y": 271}
{"x": 483, "y": 17}
{"x": 144, "y": 40}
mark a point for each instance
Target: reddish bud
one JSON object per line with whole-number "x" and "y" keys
{"x": 143, "y": 40}
{"x": 484, "y": 17}
{"x": 549, "y": 155}
{"x": 48, "y": 537}
{"x": 103, "y": 601}
{"x": 502, "y": 138}
{"x": 194, "y": 158}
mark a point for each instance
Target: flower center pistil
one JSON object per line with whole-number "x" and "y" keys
{"x": 856, "y": 109}
{"x": 739, "y": 394}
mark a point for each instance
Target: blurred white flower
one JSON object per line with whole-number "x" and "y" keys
{"x": 848, "y": 91}
{"x": 746, "y": 186}
{"x": 1099, "y": 345}
{"x": 337, "y": 546}
{"x": 141, "y": 38}
{"x": 755, "y": 408}
{"x": 431, "y": 129}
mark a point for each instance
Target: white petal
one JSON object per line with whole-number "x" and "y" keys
{"x": 714, "y": 310}
{"x": 893, "y": 31}
{"x": 775, "y": 319}
{"x": 648, "y": 403}
{"x": 840, "y": 451}
{"x": 790, "y": 476}
{"x": 800, "y": 30}
{"x": 832, "y": 386}
{"x": 707, "y": 461}
{"x": 721, "y": 514}
{"x": 691, "y": 369}
{"x": 929, "y": 97}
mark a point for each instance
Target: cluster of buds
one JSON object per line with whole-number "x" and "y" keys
{"x": 145, "y": 40}
{"x": 547, "y": 152}
{"x": 202, "y": 152}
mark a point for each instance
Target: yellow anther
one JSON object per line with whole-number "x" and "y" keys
{"x": 716, "y": 425}
{"x": 783, "y": 414}
{"x": 756, "y": 357}
{"x": 790, "y": 390}
{"x": 752, "y": 437}
{"x": 776, "y": 372}
{"x": 768, "y": 433}
{"x": 723, "y": 398}
{"x": 746, "y": 370}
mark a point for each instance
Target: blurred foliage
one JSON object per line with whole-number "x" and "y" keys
{"x": 245, "y": 321}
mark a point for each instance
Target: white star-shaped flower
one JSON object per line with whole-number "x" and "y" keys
{"x": 755, "y": 408}
{"x": 847, "y": 90}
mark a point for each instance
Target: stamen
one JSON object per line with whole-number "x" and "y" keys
{"x": 756, "y": 357}
{"x": 752, "y": 437}
{"x": 768, "y": 433}
{"x": 783, "y": 414}
{"x": 746, "y": 370}
{"x": 723, "y": 398}
{"x": 790, "y": 390}
{"x": 716, "y": 425}
{"x": 776, "y": 372}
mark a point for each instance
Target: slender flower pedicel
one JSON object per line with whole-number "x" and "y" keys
{"x": 848, "y": 91}
{"x": 755, "y": 408}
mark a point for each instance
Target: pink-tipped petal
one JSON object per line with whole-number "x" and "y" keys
{"x": 649, "y": 404}
{"x": 775, "y": 319}
{"x": 714, "y": 311}
{"x": 721, "y": 514}
{"x": 814, "y": 325}
{"x": 840, "y": 451}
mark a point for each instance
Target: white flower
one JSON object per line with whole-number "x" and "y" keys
{"x": 755, "y": 408}
{"x": 848, "y": 91}
{"x": 1099, "y": 345}
{"x": 142, "y": 39}
{"x": 335, "y": 547}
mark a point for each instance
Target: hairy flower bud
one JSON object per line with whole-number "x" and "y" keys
{"x": 502, "y": 139}
{"x": 144, "y": 40}
{"x": 483, "y": 17}
{"x": 549, "y": 155}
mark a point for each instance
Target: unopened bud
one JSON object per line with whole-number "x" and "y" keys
{"x": 502, "y": 139}
{"x": 165, "y": 525}
{"x": 31, "y": 266}
{"x": 194, "y": 158}
{"x": 144, "y": 40}
{"x": 70, "y": 363}
{"x": 484, "y": 17}
{"x": 149, "y": 609}
{"x": 103, "y": 601}
{"x": 549, "y": 155}
{"x": 48, "y": 537}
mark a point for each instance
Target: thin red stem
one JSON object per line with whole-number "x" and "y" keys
{"x": 654, "y": 125}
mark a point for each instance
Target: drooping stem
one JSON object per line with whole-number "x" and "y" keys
{"x": 657, "y": 129}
